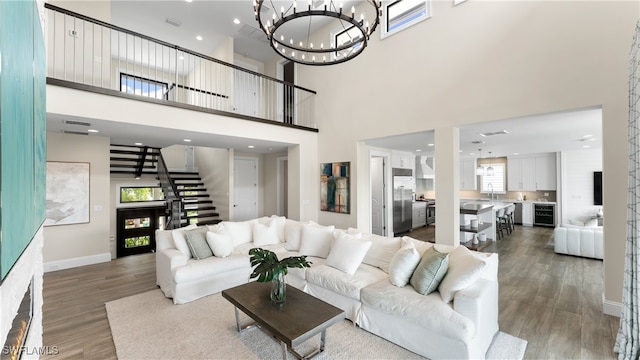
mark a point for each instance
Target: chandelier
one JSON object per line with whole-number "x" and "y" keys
{"x": 297, "y": 33}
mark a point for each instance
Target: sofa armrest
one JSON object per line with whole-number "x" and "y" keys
{"x": 479, "y": 303}
{"x": 166, "y": 261}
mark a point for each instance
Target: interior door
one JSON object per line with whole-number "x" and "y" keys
{"x": 245, "y": 95}
{"x": 377, "y": 196}
{"x": 245, "y": 185}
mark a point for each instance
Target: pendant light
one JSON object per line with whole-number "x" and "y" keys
{"x": 490, "y": 168}
{"x": 479, "y": 168}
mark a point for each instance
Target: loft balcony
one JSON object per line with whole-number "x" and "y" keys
{"x": 91, "y": 55}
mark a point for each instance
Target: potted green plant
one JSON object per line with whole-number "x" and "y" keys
{"x": 269, "y": 268}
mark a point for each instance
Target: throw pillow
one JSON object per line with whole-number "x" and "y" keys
{"x": 591, "y": 223}
{"x": 402, "y": 265}
{"x": 430, "y": 271}
{"x": 180, "y": 241}
{"x": 240, "y": 231}
{"x": 316, "y": 240}
{"x": 281, "y": 222}
{"x": 197, "y": 241}
{"x": 293, "y": 233}
{"x": 347, "y": 252}
{"x": 220, "y": 242}
{"x": 265, "y": 234}
{"x": 381, "y": 252}
{"x": 464, "y": 269}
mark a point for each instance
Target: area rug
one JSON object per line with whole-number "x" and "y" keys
{"x": 150, "y": 326}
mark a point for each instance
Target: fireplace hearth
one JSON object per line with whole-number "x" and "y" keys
{"x": 14, "y": 345}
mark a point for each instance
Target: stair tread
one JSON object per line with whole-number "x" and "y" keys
{"x": 201, "y": 208}
{"x": 195, "y": 196}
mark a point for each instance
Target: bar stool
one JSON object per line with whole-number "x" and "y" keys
{"x": 499, "y": 216}
{"x": 508, "y": 218}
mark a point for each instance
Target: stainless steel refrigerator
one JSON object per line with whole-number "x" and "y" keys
{"x": 403, "y": 187}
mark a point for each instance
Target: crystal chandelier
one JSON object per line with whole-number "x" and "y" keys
{"x": 292, "y": 31}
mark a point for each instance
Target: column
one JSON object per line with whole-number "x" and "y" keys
{"x": 447, "y": 159}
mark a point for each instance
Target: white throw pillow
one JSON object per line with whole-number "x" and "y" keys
{"x": 180, "y": 240}
{"x": 381, "y": 252}
{"x": 402, "y": 265}
{"x": 281, "y": 223}
{"x": 220, "y": 242}
{"x": 265, "y": 234}
{"x": 293, "y": 234}
{"x": 347, "y": 252}
{"x": 591, "y": 223}
{"x": 576, "y": 222}
{"x": 420, "y": 245}
{"x": 241, "y": 231}
{"x": 464, "y": 269}
{"x": 316, "y": 240}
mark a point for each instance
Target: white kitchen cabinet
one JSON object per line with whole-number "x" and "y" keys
{"x": 468, "y": 177}
{"x": 419, "y": 214}
{"x": 531, "y": 173}
{"x": 521, "y": 174}
{"x": 403, "y": 160}
{"x": 527, "y": 213}
{"x": 546, "y": 178}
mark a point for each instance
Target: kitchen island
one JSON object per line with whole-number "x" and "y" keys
{"x": 484, "y": 212}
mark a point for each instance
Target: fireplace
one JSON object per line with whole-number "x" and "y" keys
{"x": 14, "y": 345}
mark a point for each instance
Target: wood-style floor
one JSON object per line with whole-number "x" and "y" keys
{"x": 552, "y": 301}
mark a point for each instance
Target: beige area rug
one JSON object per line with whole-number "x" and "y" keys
{"x": 150, "y": 326}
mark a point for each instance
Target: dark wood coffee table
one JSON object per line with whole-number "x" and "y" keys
{"x": 293, "y": 322}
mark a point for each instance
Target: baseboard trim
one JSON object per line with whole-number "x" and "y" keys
{"x": 76, "y": 262}
{"x": 611, "y": 307}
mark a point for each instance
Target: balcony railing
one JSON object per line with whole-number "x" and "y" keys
{"x": 90, "y": 52}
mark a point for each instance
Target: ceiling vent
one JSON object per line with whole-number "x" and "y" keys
{"x": 253, "y": 32}
{"x": 72, "y": 122}
{"x": 74, "y": 132}
{"x": 478, "y": 142}
{"x": 174, "y": 22}
{"x": 501, "y": 132}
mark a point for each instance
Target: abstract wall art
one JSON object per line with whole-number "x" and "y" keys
{"x": 335, "y": 187}
{"x": 67, "y": 193}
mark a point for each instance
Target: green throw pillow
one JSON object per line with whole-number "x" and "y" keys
{"x": 197, "y": 241}
{"x": 430, "y": 271}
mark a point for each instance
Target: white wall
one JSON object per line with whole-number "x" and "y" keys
{"x": 577, "y": 183}
{"x": 482, "y": 61}
{"x": 269, "y": 174}
{"x": 68, "y": 246}
{"x": 174, "y": 157}
{"x": 213, "y": 166}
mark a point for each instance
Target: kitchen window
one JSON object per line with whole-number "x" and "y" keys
{"x": 401, "y": 14}
{"x": 495, "y": 181}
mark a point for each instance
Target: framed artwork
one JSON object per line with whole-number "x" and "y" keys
{"x": 335, "y": 187}
{"x": 67, "y": 193}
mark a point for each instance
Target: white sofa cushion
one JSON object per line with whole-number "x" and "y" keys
{"x": 342, "y": 283}
{"x": 293, "y": 234}
{"x": 265, "y": 234}
{"x": 316, "y": 240}
{"x": 382, "y": 250}
{"x": 403, "y": 264}
{"x": 281, "y": 223}
{"x": 464, "y": 269}
{"x": 220, "y": 242}
{"x": 347, "y": 252}
{"x": 427, "y": 311}
{"x": 198, "y": 270}
{"x": 241, "y": 231}
{"x": 180, "y": 240}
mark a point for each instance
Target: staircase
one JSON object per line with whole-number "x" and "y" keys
{"x": 190, "y": 204}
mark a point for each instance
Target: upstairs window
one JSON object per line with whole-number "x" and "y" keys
{"x": 137, "y": 85}
{"x": 401, "y": 14}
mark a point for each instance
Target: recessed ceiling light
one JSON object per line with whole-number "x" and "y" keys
{"x": 187, "y": 140}
{"x": 236, "y": 21}
{"x": 516, "y": 153}
{"x": 586, "y": 146}
{"x": 251, "y": 146}
{"x": 138, "y": 144}
{"x": 188, "y": 1}
{"x": 418, "y": 150}
{"x": 199, "y": 38}
{"x": 587, "y": 136}
{"x": 92, "y": 130}
{"x": 429, "y": 144}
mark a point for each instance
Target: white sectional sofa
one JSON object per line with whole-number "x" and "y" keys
{"x": 370, "y": 277}
{"x": 585, "y": 241}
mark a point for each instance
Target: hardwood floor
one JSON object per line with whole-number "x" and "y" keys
{"x": 553, "y": 301}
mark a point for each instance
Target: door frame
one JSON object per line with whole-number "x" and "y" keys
{"x": 388, "y": 210}
{"x": 280, "y": 181}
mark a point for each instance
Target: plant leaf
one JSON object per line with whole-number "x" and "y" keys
{"x": 267, "y": 264}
